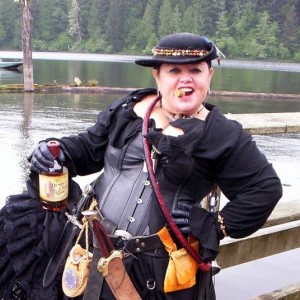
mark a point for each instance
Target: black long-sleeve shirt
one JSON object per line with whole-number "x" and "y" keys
{"x": 216, "y": 151}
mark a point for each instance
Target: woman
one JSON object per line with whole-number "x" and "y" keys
{"x": 196, "y": 148}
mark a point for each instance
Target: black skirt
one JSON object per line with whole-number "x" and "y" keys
{"x": 28, "y": 236}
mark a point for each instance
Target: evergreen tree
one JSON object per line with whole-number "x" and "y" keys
{"x": 290, "y": 28}
{"x": 245, "y": 30}
{"x": 10, "y": 18}
{"x": 222, "y": 29}
{"x": 265, "y": 44}
{"x": 2, "y": 32}
{"x": 169, "y": 20}
{"x": 144, "y": 31}
{"x": 189, "y": 20}
{"x": 222, "y": 36}
{"x": 96, "y": 41}
{"x": 74, "y": 27}
{"x": 240, "y": 27}
{"x": 42, "y": 26}
{"x": 209, "y": 13}
{"x": 198, "y": 18}
{"x": 84, "y": 16}
{"x": 115, "y": 25}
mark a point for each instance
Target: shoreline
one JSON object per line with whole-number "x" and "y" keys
{"x": 285, "y": 66}
{"x": 19, "y": 88}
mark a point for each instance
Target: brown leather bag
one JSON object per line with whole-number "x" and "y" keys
{"x": 182, "y": 268}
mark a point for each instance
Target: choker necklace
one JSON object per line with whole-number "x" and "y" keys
{"x": 174, "y": 116}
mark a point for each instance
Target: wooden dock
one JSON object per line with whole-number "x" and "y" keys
{"x": 268, "y": 123}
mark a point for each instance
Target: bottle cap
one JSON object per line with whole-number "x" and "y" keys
{"x": 53, "y": 146}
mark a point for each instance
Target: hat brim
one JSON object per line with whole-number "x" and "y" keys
{"x": 156, "y": 61}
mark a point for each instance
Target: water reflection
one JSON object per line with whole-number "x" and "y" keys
{"x": 25, "y": 141}
{"x": 127, "y": 74}
{"x": 254, "y": 105}
{"x": 256, "y": 81}
{"x": 10, "y": 77}
{"x": 130, "y": 75}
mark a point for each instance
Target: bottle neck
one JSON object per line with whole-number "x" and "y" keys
{"x": 53, "y": 147}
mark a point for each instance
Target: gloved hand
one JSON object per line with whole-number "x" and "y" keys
{"x": 181, "y": 215}
{"x": 42, "y": 159}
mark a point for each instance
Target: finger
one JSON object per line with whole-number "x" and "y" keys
{"x": 45, "y": 152}
{"x": 47, "y": 161}
{"x": 185, "y": 230}
{"x": 181, "y": 221}
{"x": 37, "y": 167}
{"x": 180, "y": 213}
{"x": 185, "y": 206}
{"x": 34, "y": 169}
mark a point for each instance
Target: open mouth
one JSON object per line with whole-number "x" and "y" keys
{"x": 183, "y": 92}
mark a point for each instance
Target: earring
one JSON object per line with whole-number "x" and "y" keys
{"x": 208, "y": 91}
{"x": 159, "y": 95}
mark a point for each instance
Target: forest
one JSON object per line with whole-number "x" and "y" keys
{"x": 261, "y": 29}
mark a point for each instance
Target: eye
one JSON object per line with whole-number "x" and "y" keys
{"x": 174, "y": 70}
{"x": 196, "y": 70}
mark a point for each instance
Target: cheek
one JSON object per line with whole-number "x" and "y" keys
{"x": 204, "y": 84}
{"x": 167, "y": 84}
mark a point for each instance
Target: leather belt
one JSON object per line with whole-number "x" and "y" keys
{"x": 123, "y": 239}
{"x": 143, "y": 243}
{"x": 136, "y": 244}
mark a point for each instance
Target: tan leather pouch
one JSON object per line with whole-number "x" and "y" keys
{"x": 77, "y": 268}
{"x": 182, "y": 268}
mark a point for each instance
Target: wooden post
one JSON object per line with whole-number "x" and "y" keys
{"x": 27, "y": 48}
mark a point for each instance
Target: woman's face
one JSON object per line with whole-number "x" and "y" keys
{"x": 193, "y": 79}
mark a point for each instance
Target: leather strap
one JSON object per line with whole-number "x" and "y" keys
{"x": 95, "y": 280}
{"x": 143, "y": 243}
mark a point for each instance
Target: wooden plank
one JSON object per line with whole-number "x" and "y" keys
{"x": 268, "y": 123}
{"x": 253, "y": 95}
{"x": 291, "y": 292}
{"x": 265, "y": 242}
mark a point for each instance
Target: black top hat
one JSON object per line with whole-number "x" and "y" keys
{"x": 181, "y": 48}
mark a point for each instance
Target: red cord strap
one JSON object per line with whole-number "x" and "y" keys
{"x": 103, "y": 239}
{"x": 177, "y": 233}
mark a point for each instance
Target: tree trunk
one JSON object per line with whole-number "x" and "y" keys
{"x": 27, "y": 50}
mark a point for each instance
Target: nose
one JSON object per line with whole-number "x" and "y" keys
{"x": 185, "y": 79}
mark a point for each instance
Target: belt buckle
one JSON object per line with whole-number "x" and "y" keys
{"x": 124, "y": 235}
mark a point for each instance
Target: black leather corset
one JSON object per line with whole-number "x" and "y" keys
{"x": 125, "y": 194}
{"x": 124, "y": 191}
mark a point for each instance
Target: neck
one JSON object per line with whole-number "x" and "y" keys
{"x": 176, "y": 116}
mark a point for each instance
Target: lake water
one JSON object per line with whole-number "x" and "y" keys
{"x": 28, "y": 118}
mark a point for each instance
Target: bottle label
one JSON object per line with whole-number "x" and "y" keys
{"x": 53, "y": 188}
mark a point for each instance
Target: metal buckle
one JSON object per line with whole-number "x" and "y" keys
{"x": 73, "y": 220}
{"x": 122, "y": 234}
